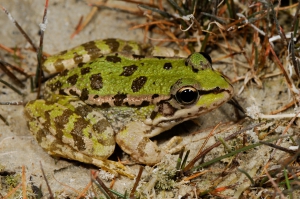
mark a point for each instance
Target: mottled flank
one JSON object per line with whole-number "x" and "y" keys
{"x": 92, "y": 49}
{"x": 166, "y": 109}
{"x": 84, "y": 94}
{"x": 96, "y": 81}
{"x": 83, "y": 110}
{"x": 138, "y": 83}
{"x": 119, "y": 98}
{"x": 72, "y": 79}
{"x": 167, "y": 66}
{"x": 129, "y": 70}
{"x": 113, "y": 44}
{"x": 71, "y": 91}
{"x": 84, "y": 71}
{"x": 55, "y": 86}
{"x": 113, "y": 59}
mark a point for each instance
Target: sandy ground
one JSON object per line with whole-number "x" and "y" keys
{"x": 18, "y": 148}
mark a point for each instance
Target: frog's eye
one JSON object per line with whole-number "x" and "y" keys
{"x": 187, "y": 95}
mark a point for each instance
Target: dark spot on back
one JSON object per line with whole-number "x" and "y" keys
{"x": 167, "y": 66}
{"x": 113, "y": 59}
{"x": 155, "y": 96}
{"x": 92, "y": 50}
{"x": 72, "y": 79}
{"x": 113, "y": 44}
{"x": 80, "y": 65}
{"x": 105, "y": 105}
{"x": 186, "y": 62}
{"x": 119, "y": 98}
{"x": 84, "y": 94}
{"x": 160, "y": 57}
{"x": 129, "y": 70}
{"x": 64, "y": 73}
{"x": 138, "y": 83}
{"x": 85, "y": 70}
{"x": 138, "y": 56}
{"x": 96, "y": 81}
{"x": 145, "y": 103}
{"x": 96, "y": 96}
{"x": 195, "y": 70}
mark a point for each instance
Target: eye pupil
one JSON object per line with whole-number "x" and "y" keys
{"x": 187, "y": 95}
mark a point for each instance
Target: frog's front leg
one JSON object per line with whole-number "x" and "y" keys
{"x": 66, "y": 127}
{"x": 134, "y": 140}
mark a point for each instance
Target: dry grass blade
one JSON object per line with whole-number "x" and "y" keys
{"x": 106, "y": 191}
{"x": 39, "y": 72}
{"x": 87, "y": 19}
{"x": 15, "y": 52}
{"x": 19, "y": 28}
{"x": 136, "y": 183}
{"x": 203, "y": 153}
{"x": 48, "y": 186}
{"x": 12, "y": 191}
{"x": 11, "y": 86}
{"x": 4, "y": 120}
{"x": 24, "y": 184}
{"x": 10, "y": 74}
{"x": 279, "y": 147}
{"x": 275, "y": 185}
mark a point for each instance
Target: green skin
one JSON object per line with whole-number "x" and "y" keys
{"x": 114, "y": 96}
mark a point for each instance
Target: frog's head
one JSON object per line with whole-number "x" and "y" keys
{"x": 192, "y": 96}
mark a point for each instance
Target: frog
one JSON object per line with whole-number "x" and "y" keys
{"x": 121, "y": 92}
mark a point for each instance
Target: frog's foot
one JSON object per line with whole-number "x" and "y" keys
{"x": 173, "y": 145}
{"x": 113, "y": 167}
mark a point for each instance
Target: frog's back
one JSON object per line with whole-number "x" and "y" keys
{"x": 118, "y": 77}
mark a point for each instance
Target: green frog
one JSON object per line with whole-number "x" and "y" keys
{"x": 114, "y": 91}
